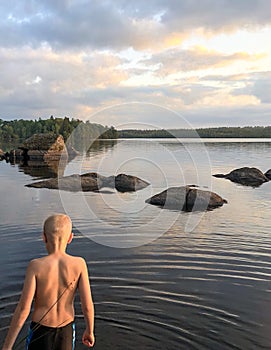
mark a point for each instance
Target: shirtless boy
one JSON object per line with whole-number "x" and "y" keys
{"x": 52, "y": 282}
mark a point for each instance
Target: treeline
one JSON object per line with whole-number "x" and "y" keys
{"x": 219, "y": 132}
{"x": 238, "y": 132}
{"x": 15, "y": 131}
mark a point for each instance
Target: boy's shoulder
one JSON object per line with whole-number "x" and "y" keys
{"x": 34, "y": 263}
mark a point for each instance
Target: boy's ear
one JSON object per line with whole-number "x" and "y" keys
{"x": 70, "y": 238}
{"x": 44, "y": 238}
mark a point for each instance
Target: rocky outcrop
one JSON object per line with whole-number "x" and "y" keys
{"x": 245, "y": 176}
{"x": 41, "y": 147}
{"x": 92, "y": 182}
{"x": 187, "y": 198}
{"x": 48, "y": 142}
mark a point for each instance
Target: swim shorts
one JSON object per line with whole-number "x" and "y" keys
{"x": 51, "y": 338}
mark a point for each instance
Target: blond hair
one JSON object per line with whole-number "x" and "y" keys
{"x": 57, "y": 226}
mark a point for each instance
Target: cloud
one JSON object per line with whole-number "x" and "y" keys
{"x": 259, "y": 85}
{"x": 177, "y": 60}
{"x": 67, "y": 25}
{"x": 76, "y": 57}
{"x": 216, "y": 15}
{"x": 118, "y": 24}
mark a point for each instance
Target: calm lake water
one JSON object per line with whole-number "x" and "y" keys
{"x": 160, "y": 279}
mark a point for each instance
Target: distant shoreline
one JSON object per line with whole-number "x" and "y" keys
{"x": 216, "y": 132}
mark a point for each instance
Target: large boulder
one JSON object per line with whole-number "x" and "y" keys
{"x": 245, "y": 176}
{"x": 44, "y": 146}
{"x": 44, "y": 142}
{"x": 187, "y": 198}
{"x": 92, "y": 182}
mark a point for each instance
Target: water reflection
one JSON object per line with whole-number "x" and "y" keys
{"x": 42, "y": 169}
{"x": 87, "y": 145}
{"x": 52, "y": 168}
{"x": 207, "y": 289}
{"x": 100, "y": 146}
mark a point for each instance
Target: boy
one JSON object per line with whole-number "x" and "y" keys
{"x": 52, "y": 281}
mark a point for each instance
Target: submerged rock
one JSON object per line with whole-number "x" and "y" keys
{"x": 92, "y": 182}
{"x": 245, "y": 176}
{"x": 186, "y": 198}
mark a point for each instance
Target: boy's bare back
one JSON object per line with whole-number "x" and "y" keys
{"x": 57, "y": 278}
{"x": 52, "y": 281}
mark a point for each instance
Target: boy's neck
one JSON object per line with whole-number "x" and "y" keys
{"x": 57, "y": 248}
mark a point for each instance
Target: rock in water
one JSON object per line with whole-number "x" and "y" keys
{"x": 187, "y": 198}
{"x": 172, "y": 198}
{"x": 92, "y": 182}
{"x": 245, "y": 176}
{"x": 198, "y": 199}
{"x": 126, "y": 183}
{"x": 45, "y": 142}
{"x": 74, "y": 183}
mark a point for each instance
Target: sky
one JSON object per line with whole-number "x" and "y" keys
{"x": 161, "y": 63}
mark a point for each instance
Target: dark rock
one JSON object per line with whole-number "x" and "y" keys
{"x": 197, "y": 199}
{"x": 187, "y": 198}
{"x": 268, "y": 174}
{"x": 126, "y": 183}
{"x": 73, "y": 183}
{"x": 44, "y": 142}
{"x": 172, "y": 198}
{"x": 92, "y": 182}
{"x": 245, "y": 176}
{"x": 46, "y": 146}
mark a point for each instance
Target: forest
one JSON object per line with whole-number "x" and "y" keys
{"x": 12, "y": 132}
{"x": 219, "y": 132}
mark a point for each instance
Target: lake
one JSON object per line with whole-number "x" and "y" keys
{"x": 161, "y": 279}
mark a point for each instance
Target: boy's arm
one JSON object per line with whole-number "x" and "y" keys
{"x": 87, "y": 306}
{"x": 23, "y": 308}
